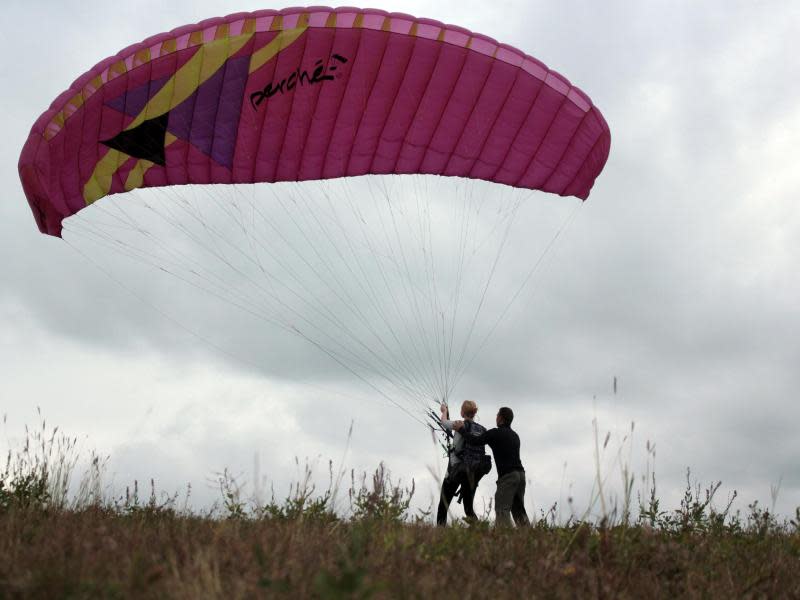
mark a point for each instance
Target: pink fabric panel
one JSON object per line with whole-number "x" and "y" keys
{"x": 366, "y": 62}
{"x": 553, "y": 147}
{"x": 346, "y": 42}
{"x": 573, "y": 156}
{"x": 581, "y": 185}
{"x": 510, "y": 121}
{"x": 376, "y": 115}
{"x": 199, "y": 168}
{"x": 405, "y": 104}
{"x": 277, "y": 111}
{"x": 53, "y": 185}
{"x": 438, "y": 91}
{"x": 69, "y": 166}
{"x": 304, "y": 105}
{"x": 483, "y": 119}
{"x": 460, "y": 105}
{"x": 540, "y": 115}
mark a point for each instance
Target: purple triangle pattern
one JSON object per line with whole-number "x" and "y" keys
{"x": 209, "y": 118}
{"x": 132, "y": 102}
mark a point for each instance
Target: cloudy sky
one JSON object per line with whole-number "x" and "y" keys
{"x": 678, "y": 277}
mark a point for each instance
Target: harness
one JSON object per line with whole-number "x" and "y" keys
{"x": 473, "y": 460}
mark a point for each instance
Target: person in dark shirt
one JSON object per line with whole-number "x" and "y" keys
{"x": 509, "y": 499}
{"x": 459, "y": 475}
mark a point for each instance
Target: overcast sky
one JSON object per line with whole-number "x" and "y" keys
{"x": 678, "y": 276}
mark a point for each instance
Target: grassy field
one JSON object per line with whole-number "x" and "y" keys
{"x": 63, "y": 539}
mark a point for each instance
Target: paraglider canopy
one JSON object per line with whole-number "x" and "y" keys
{"x": 307, "y": 94}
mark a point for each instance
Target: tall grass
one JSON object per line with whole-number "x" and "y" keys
{"x": 41, "y": 473}
{"x": 366, "y": 541}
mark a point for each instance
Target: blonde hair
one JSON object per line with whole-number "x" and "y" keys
{"x": 469, "y": 409}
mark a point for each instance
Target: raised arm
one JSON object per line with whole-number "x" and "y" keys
{"x": 444, "y": 419}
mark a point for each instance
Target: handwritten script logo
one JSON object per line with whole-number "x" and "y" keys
{"x": 320, "y": 73}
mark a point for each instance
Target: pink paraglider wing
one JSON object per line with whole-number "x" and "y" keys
{"x": 311, "y": 93}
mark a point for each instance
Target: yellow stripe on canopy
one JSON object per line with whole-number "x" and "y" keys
{"x": 281, "y": 41}
{"x": 198, "y": 69}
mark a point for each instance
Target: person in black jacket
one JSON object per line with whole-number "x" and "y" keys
{"x": 509, "y": 500}
{"x": 461, "y": 477}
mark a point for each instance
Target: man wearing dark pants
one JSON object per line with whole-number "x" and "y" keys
{"x": 509, "y": 500}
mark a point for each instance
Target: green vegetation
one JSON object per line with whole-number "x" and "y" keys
{"x": 82, "y": 545}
